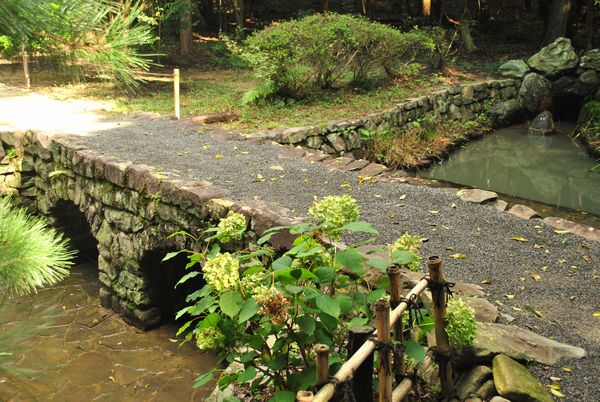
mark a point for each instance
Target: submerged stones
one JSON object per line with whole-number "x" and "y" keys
{"x": 554, "y": 59}
{"x": 542, "y": 124}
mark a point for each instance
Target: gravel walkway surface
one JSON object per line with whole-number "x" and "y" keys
{"x": 568, "y": 265}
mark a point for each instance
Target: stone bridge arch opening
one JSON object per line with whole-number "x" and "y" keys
{"x": 162, "y": 276}
{"x": 66, "y": 217}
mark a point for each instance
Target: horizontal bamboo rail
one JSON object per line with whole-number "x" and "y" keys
{"x": 349, "y": 367}
{"x": 174, "y": 77}
{"x": 402, "y": 390}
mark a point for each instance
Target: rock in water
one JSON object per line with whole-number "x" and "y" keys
{"x": 506, "y": 113}
{"x": 591, "y": 60}
{"x": 521, "y": 344}
{"x": 476, "y": 195}
{"x": 535, "y": 94}
{"x": 554, "y": 59}
{"x": 514, "y": 69}
{"x": 514, "y": 382}
{"x": 542, "y": 124}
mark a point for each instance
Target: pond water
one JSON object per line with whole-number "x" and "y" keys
{"x": 548, "y": 169}
{"x": 79, "y": 351}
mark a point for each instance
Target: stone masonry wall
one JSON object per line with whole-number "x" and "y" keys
{"x": 341, "y": 137}
{"x": 131, "y": 209}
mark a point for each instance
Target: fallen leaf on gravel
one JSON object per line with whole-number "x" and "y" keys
{"x": 259, "y": 178}
{"x": 556, "y": 392}
{"x": 244, "y": 152}
{"x": 218, "y": 156}
{"x": 433, "y": 212}
{"x": 536, "y": 277}
{"x": 555, "y": 379}
{"x": 519, "y": 238}
{"x": 403, "y": 196}
{"x": 522, "y": 279}
{"x": 567, "y": 369}
{"x": 509, "y": 297}
{"x": 596, "y": 314}
{"x": 346, "y": 185}
{"x": 544, "y": 268}
{"x": 486, "y": 282}
{"x": 458, "y": 256}
{"x": 534, "y": 311}
{"x": 517, "y": 309}
{"x": 538, "y": 246}
{"x": 586, "y": 257}
{"x": 449, "y": 248}
{"x": 572, "y": 298}
{"x": 362, "y": 179}
{"x": 562, "y": 231}
{"x": 453, "y": 205}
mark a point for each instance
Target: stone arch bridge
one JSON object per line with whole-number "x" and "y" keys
{"x": 122, "y": 213}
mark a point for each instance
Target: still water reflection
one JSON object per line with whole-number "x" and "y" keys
{"x": 550, "y": 169}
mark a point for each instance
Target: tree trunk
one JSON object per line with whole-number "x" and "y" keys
{"x": 426, "y": 9}
{"x": 590, "y": 13}
{"x": 558, "y": 19}
{"x": 465, "y": 34}
{"x": 238, "y": 8}
{"x": 325, "y": 5}
{"x": 185, "y": 32}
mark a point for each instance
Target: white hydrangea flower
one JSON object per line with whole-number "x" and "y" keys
{"x": 231, "y": 227}
{"x": 222, "y": 272}
{"x": 210, "y": 338}
{"x": 336, "y": 210}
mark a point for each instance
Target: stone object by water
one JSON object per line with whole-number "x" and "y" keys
{"x": 476, "y": 195}
{"x": 591, "y": 60}
{"x": 535, "y": 94}
{"x": 515, "y": 382}
{"x": 523, "y": 211}
{"x": 505, "y": 113}
{"x": 554, "y": 59}
{"x": 514, "y": 69}
{"x": 542, "y": 124}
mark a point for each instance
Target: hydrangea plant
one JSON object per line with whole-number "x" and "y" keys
{"x": 411, "y": 243}
{"x": 461, "y": 326}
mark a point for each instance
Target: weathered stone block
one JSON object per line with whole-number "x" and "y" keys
{"x": 116, "y": 172}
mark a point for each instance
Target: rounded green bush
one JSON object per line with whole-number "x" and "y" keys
{"x": 461, "y": 324}
{"x": 327, "y": 50}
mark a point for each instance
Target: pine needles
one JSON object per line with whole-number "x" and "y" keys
{"x": 32, "y": 255}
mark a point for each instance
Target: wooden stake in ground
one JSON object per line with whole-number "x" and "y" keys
{"x": 176, "y": 91}
{"x": 395, "y": 300}
{"x": 382, "y": 310}
{"x": 443, "y": 351}
{"x": 322, "y": 364}
{"x": 25, "y": 66}
{"x": 362, "y": 380}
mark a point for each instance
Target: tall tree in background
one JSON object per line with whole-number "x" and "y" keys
{"x": 557, "y": 20}
{"x": 185, "y": 32}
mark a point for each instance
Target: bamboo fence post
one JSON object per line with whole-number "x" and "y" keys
{"x": 443, "y": 350}
{"x": 25, "y": 66}
{"x": 304, "y": 396}
{"x": 176, "y": 92}
{"x": 395, "y": 299}
{"x": 362, "y": 380}
{"x": 382, "y": 310}
{"x": 322, "y": 364}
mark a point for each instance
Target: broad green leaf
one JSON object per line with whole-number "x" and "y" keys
{"x": 379, "y": 263}
{"x": 204, "y": 379}
{"x": 375, "y": 295}
{"x": 345, "y": 303}
{"x": 210, "y": 320}
{"x": 350, "y": 258}
{"x": 224, "y": 381}
{"x": 358, "y": 322}
{"x": 231, "y": 303}
{"x": 427, "y": 324}
{"x": 182, "y": 312}
{"x": 415, "y": 350}
{"x": 247, "y": 374}
{"x": 306, "y": 324}
{"x": 172, "y": 254}
{"x": 294, "y": 289}
{"x": 402, "y": 257}
{"x": 360, "y": 226}
{"x": 284, "y": 262}
{"x": 283, "y": 396}
{"x": 325, "y": 274}
{"x": 187, "y": 277}
{"x": 249, "y": 309}
{"x": 328, "y": 305}
{"x": 183, "y": 328}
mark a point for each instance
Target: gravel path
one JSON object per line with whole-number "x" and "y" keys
{"x": 568, "y": 265}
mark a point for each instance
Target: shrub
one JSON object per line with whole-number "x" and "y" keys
{"x": 408, "y": 242}
{"x": 326, "y": 50}
{"x": 460, "y": 325}
{"x": 267, "y": 311}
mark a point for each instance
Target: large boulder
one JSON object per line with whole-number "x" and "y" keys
{"x": 542, "y": 124}
{"x": 522, "y": 344}
{"x": 514, "y": 382}
{"x": 554, "y": 59}
{"x": 535, "y": 94}
{"x": 514, "y": 69}
{"x": 505, "y": 113}
{"x": 591, "y": 60}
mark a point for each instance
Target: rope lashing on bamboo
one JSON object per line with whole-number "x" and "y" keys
{"x": 414, "y": 312}
{"x": 438, "y": 287}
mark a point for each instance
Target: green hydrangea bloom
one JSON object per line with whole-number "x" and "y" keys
{"x": 222, "y": 272}
{"x": 253, "y": 283}
{"x": 335, "y": 211}
{"x": 210, "y": 338}
{"x": 231, "y": 227}
{"x": 408, "y": 242}
{"x": 461, "y": 325}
